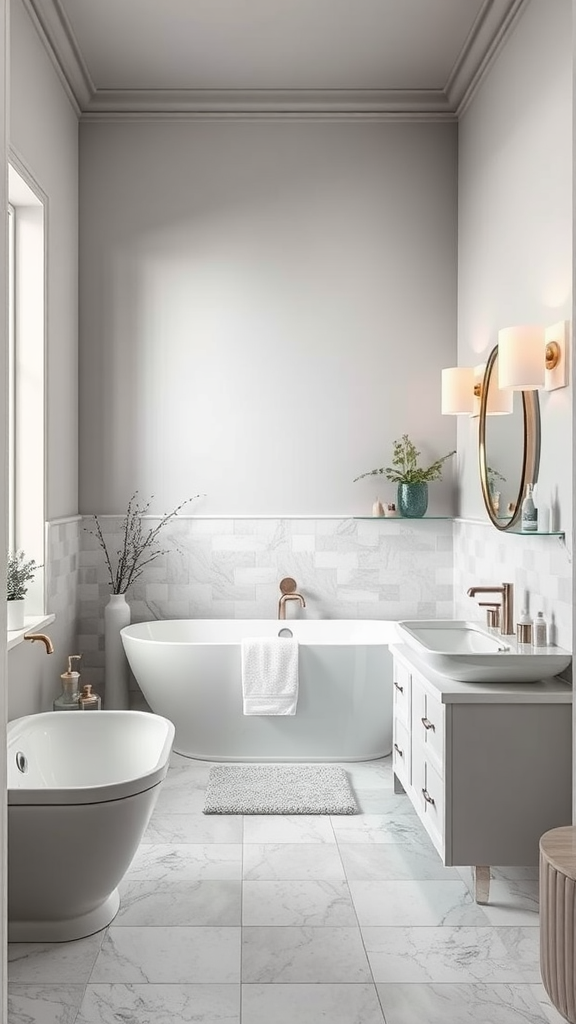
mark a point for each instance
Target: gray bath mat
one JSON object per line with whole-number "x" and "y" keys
{"x": 279, "y": 789}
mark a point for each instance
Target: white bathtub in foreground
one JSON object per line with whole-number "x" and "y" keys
{"x": 189, "y": 670}
{"x": 81, "y": 789}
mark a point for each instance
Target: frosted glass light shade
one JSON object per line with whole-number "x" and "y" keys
{"x": 457, "y": 390}
{"x": 521, "y": 358}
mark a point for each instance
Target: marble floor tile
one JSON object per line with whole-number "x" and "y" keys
{"x": 169, "y": 955}
{"x": 310, "y": 1004}
{"x": 415, "y": 903}
{"x": 513, "y": 902}
{"x": 396, "y": 826}
{"x": 53, "y": 962}
{"x": 292, "y": 862}
{"x": 275, "y": 955}
{"x": 378, "y": 800}
{"x": 44, "y": 1004}
{"x": 181, "y": 793}
{"x": 523, "y": 947}
{"x": 459, "y": 1004}
{"x": 186, "y": 862}
{"x": 370, "y": 774}
{"x": 288, "y": 828}
{"x": 440, "y": 955}
{"x": 550, "y": 1014}
{"x": 193, "y": 828}
{"x": 379, "y": 862}
{"x": 297, "y": 903}
{"x": 161, "y": 1004}
{"x": 153, "y": 903}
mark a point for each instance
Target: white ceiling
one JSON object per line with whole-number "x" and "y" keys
{"x": 364, "y": 56}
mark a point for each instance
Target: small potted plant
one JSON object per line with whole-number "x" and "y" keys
{"x": 411, "y": 478}
{"x": 19, "y": 573}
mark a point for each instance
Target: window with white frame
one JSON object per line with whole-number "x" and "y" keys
{"x": 26, "y": 386}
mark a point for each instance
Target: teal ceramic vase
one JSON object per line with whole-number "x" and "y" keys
{"x": 412, "y": 500}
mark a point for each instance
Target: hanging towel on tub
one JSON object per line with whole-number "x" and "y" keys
{"x": 270, "y": 675}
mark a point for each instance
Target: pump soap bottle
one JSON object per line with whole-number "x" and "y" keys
{"x": 88, "y": 701}
{"x": 68, "y": 699}
{"x": 529, "y": 511}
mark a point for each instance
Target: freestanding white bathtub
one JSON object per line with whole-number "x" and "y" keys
{"x": 81, "y": 789}
{"x": 189, "y": 670}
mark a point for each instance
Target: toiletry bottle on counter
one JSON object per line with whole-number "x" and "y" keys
{"x": 377, "y": 508}
{"x": 68, "y": 699}
{"x": 540, "y": 631}
{"x": 524, "y": 630}
{"x": 88, "y": 701}
{"x": 529, "y": 511}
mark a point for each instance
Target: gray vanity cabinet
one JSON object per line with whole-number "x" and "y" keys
{"x": 487, "y": 767}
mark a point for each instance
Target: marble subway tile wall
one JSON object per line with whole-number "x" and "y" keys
{"x": 231, "y": 568}
{"x": 539, "y": 567}
{"x": 62, "y": 568}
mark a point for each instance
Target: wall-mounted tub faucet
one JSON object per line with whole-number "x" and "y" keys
{"x": 288, "y": 588}
{"x": 45, "y": 640}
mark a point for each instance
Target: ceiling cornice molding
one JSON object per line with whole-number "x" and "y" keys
{"x": 269, "y": 102}
{"x": 55, "y": 31}
{"x": 494, "y": 24}
{"x": 495, "y": 21}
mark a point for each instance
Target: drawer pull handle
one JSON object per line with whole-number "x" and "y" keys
{"x": 427, "y": 797}
{"x": 398, "y": 687}
{"x": 398, "y": 751}
{"x": 428, "y": 724}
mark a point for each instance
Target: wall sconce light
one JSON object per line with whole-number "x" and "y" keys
{"x": 462, "y": 389}
{"x": 532, "y": 358}
{"x": 457, "y": 390}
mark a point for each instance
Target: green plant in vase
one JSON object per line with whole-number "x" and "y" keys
{"x": 19, "y": 572}
{"x": 412, "y": 478}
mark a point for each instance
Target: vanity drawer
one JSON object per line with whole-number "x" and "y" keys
{"x": 401, "y": 752}
{"x": 402, "y": 692}
{"x": 428, "y": 724}
{"x": 429, "y": 790}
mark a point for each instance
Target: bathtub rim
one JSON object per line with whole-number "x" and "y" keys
{"x": 105, "y": 793}
{"x": 385, "y": 632}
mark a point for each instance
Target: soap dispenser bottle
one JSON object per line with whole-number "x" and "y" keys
{"x": 68, "y": 699}
{"x": 88, "y": 701}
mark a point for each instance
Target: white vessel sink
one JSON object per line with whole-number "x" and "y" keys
{"x": 469, "y": 652}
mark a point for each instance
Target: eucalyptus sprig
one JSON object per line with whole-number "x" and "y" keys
{"x": 139, "y": 546}
{"x": 19, "y": 572}
{"x": 405, "y": 468}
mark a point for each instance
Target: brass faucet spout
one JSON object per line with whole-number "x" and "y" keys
{"x": 506, "y": 607}
{"x": 43, "y": 638}
{"x": 289, "y": 597}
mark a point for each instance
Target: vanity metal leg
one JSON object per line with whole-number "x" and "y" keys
{"x": 481, "y": 883}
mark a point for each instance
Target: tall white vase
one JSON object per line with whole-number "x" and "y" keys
{"x": 116, "y": 668}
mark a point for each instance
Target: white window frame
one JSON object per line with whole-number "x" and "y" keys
{"x": 27, "y": 385}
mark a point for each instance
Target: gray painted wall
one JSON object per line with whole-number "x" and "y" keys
{"x": 515, "y": 266}
{"x": 44, "y": 135}
{"x": 265, "y": 306}
{"x": 515, "y": 224}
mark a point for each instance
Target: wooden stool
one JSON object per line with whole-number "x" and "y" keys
{"x": 558, "y": 918}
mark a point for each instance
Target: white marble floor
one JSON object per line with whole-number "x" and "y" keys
{"x": 272, "y": 920}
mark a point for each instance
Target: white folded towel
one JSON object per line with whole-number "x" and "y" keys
{"x": 270, "y": 675}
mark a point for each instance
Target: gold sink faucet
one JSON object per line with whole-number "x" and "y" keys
{"x": 288, "y": 588}
{"x": 45, "y": 640}
{"x": 506, "y": 605}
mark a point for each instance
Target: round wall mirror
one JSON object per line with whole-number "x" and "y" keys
{"x": 509, "y": 448}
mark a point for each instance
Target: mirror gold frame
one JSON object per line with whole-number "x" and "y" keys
{"x": 530, "y": 454}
